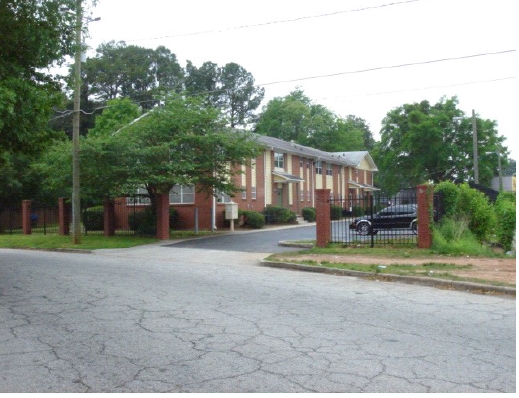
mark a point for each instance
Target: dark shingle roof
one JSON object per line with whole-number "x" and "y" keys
{"x": 352, "y": 159}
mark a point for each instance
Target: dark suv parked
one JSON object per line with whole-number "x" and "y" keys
{"x": 398, "y": 216}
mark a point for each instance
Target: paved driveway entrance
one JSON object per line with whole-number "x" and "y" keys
{"x": 262, "y": 241}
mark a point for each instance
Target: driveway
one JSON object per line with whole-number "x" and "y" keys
{"x": 252, "y": 241}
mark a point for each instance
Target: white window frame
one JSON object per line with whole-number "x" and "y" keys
{"x": 319, "y": 167}
{"x": 279, "y": 160}
{"x": 186, "y": 194}
{"x": 223, "y": 197}
{"x": 139, "y": 199}
{"x": 329, "y": 169}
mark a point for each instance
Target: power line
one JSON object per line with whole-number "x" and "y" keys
{"x": 282, "y": 21}
{"x": 67, "y": 113}
{"x": 426, "y": 88}
{"x": 387, "y": 67}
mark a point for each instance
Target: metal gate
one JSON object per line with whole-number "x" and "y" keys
{"x": 374, "y": 220}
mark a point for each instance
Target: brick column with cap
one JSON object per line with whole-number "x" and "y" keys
{"x": 63, "y": 216}
{"x": 26, "y": 217}
{"x": 322, "y": 210}
{"x": 424, "y": 201}
{"x": 109, "y": 217}
{"x": 163, "y": 216}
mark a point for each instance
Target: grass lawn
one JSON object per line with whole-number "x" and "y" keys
{"x": 91, "y": 241}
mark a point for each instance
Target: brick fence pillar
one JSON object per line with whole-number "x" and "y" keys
{"x": 109, "y": 217}
{"x": 424, "y": 201}
{"x": 26, "y": 217}
{"x": 322, "y": 209}
{"x": 163, "y": 216}
{"x": 63, "y": 216}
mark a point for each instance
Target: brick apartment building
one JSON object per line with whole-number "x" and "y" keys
{"x": 286, "y": 174}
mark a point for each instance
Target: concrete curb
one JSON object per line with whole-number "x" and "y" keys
{"x": 414, "y": 280}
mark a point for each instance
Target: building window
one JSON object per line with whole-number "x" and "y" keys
{"x": 141, "y": 198}
{"x": 302, "y": 195}
{"x": 329, "y": 170}
{"x": 244, "y": 193}
{"x": 223, "y": 198}
{"x": 279, "y": 160}
{"x": 301, "y": 162}
{"x": 181, "y": 194}
{"x": 318, "y": 167}
{"x": 253, "y": 193}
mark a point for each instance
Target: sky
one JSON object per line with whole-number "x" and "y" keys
{"x": 361, "y": 58}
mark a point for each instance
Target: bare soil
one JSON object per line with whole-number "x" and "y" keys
{"x": 488, "y": 269}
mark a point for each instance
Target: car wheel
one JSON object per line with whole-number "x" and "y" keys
{"x": 414, "y": 227}
{"x": 363, "y": 228}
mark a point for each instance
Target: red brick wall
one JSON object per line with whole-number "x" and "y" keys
{"x": 424, "y": 201}
{"x": 322, "y": 207}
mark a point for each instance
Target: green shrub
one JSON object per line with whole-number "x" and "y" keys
{"x": 252, "y": 219}
{"x": 467, "y": 245}
{"x": 335, "y": 212}
{"x": 505, "y": 211}
{"x": 143, "y": 222}
{"x": 358, "y": 211}
{"x": 452, "y": 229}
{"x": 309, "y": 214}
{"x": 474, "y": 205}
{"x": 93, "y": 218}
{"x": 279, "y": 215}
{"x": 449, "y": 196}
{"x": 174, "y": 218}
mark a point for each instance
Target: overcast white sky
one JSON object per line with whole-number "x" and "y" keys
{"x": 279, "y": 41}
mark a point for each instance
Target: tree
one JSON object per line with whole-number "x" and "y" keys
{"x": 203, "y": 81}
{"x": 296, "y": 118}
{"x": 35, "y": 34}
{"x": 141, "y": 74}
{"x": 117, "y": 114}
{"x": 421, "y": 142}
{"x": 181, "y": 143}
{"x": 238, "y": 96}
{"x": 286, "y": 118}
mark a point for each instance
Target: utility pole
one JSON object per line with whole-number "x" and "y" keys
{"x": 475, "y": 146}
{"x": 500, "y": 171}
{"x": 76, "y": 202}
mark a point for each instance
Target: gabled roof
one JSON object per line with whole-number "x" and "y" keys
{"x": 358, "y": 159}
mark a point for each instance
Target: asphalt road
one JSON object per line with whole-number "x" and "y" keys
{"x": 178, "y": 319}
{"x": 253, "y": 241}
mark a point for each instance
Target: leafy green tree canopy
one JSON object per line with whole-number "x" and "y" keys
{"x": 230, "y": 88}
{"x": 35, "y": 34}
{"x": 295, "y": 118}
{"x": 421, "y": 142}
{"x": 140, "y": 74}
{"x": 182, "y": 143}
{"x": 117, "y": 114}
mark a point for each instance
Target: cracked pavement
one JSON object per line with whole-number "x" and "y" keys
{"x": 169, "y": 319}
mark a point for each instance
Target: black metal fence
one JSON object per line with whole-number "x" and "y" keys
{"x": 11, "y": 220}
{"x": 374, "y": 220}
{"x": 129, "y": 217}
{"x": 44, "y": 219}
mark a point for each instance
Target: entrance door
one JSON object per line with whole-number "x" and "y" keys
{"x": 279, "y": 196}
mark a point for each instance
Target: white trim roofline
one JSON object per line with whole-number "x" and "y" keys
{"x": 353, "y": 159}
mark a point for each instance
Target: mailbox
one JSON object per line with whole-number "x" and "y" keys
{"x": 231, "y": 211}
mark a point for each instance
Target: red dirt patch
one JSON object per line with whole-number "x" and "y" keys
{"x": 490, "y": 269}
